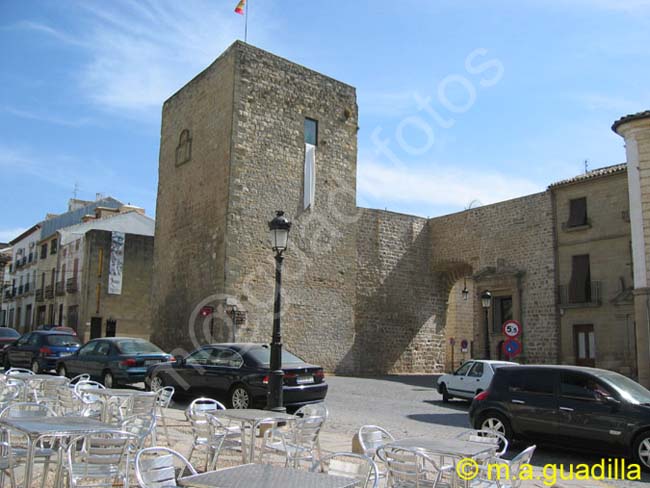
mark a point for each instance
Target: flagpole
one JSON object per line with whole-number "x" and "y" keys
{"x": 246, "y": 22}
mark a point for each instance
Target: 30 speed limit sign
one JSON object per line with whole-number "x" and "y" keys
{"x": 511, "y": 329}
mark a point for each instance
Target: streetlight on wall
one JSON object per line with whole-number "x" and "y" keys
{"x": 279, "y": 229}
{"x": 486, "y": 301}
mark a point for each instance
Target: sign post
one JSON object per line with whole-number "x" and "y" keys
{"x": 511, "y": 346}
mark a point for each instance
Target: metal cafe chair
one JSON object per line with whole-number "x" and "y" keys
{"x": 98, "y": 459}
{"x": 514, "y": 466}
{"x": 156, "y": 467}
{"x": 412, "y": 468}
{"x": 197, "y": 414}
{"x": 222, "y": 437}
{"x": 313, "y": 410}
{"x": 299, "y": 443}
{"x": 350, "y": 465}
{"x": 163, "y": 400}
{"x": 7, "y": 464}
{"x": 12, "y": 371}
{"x": 486, "y": 437}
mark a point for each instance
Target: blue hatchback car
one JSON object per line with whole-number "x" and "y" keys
{"x": 40, "y": 350}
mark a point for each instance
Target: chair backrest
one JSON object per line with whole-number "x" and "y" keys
{"x": 140, "y": 426}
{"x": 164, "y": 396}
{"x": 78, "y": 378}
{"x": 313, "y": 410}
{"x": 306, "y": 430}
{"x": 197, "y": 414}
{"x": 48, "y": 389}
{"x": 516, "y": 462}
{"x": 155, "y": 467}
{"x": 27, "y": 409}
{"x": 406, "y": 466}
{"x": 350, "y": 465}
{"x": 371, "y": 437}
{"x": 490, "y": 437}
{"x": 103, "y": 450}
{"x": 11, "y": 371}
{"x": 9, "y": 393}
{"x": 143, "y": 404}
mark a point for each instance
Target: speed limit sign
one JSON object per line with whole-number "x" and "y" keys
{"x": 511, "y": 329}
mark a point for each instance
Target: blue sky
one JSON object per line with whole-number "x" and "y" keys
{"x": 459, "y": 101}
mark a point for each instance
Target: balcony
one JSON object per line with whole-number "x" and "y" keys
{"x": 20, "y": 290}
{"x": 60, "y": 288}
{"x": 26, "y": 288}
{"x": 576, "y": 297}
{"x": 71, "y": 285}
{"x": 7, "y": 294}
{"x": 39, "y": 295}
{"x": 49, "y": 292}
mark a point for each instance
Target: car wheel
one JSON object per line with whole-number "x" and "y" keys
{"x": 641, "y": 450}
{"x": 109, "y": 380}
{"x": 445, "y": 394}
{"x": 61, "y": 371}
{"x": 496, "y": 422}
{"x": 239, "y": 397}
{"x": 156, "y": 383}
{"x": 36, "y": 368}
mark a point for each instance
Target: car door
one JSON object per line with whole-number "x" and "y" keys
{"x": 533, "y": 403}
{"x": 15, "y": 351}
{"x": 192, "y": 373}
{"x": 99, "y": 359}
{"x": 458, "y": 386}
{"x": 79, "y": 363}
{"x": 476, "y": 378}
{"x": 223, "y": 370}
{"x": 586, "y": 417}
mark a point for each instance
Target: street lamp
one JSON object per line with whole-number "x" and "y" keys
{"x": 486, "y": 301}
{"x": 279, "y": 230}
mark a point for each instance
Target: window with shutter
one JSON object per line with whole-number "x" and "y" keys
{"x": 580, "y": 284}
{"x": 578, "y": 212}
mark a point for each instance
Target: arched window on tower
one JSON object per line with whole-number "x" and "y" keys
{"x": 184, "y": 148}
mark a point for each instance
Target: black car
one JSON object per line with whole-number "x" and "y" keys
{"x": 40, "y": 350}
{"x": 571, "y": 406}
{"x": 113, "y": 360}
{"x": 238, "y": 374}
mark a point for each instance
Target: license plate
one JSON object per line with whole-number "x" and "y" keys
{"x": 304, "y": 380}
{"x": 151, "y": 361}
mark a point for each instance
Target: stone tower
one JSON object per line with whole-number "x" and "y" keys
{"x": 241, "y": 140}
{"x": 635, "y": 129}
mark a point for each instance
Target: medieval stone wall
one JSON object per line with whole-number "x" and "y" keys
{"x": 193, "y": 179}
{"x": 272, "y": 99}
{"x": 516, "y": 236}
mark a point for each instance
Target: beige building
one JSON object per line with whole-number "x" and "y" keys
{"x": 594, "y": 267}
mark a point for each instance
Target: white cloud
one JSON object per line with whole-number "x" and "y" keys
{"x": 47, "y": 118}
{"x": 7, "y": 235}
{"x": 139, "y": 53}
{"x": 437, "y": 186}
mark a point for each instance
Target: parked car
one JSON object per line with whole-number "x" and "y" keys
{"x": 40, "y": 350}
{"x": 8, "y": 335}
{"x": 576, "y": 407}
{"x": 470, "y": 379}
{"x": 113, "y": 360}
{"x": 238, "y": 374}
{"x": 69, "y": 330}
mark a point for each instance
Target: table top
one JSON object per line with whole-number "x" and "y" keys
{"x": 251, "y": 414}
{"x": 265, "y": 476}
{"x": 454, "y": 447}
{"x": 36, "y": 377}
{"x": 56, "y": 425}
{"x": 114, "y": 392}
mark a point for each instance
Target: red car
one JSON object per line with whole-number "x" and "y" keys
{"x": 7, "y": 336}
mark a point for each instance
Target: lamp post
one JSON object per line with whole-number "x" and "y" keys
{"x": 465, "y": 292}
{"x": 486, "y": 301}
{"x": 279, "y": 229}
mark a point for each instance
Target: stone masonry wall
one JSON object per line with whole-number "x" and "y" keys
{"x": 192, "y": 203}
{"x": 516, "y": 234}
{"x": 400, "y": 311}
{"x": 272, "y": 99}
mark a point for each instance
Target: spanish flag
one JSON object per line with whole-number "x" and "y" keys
{"x": 239, "y": 9}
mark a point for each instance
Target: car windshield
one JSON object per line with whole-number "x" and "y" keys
{"x": 628, "y": 389}
{"x": 262, "y": 355}
{"x": 4, "y": 332}
{"x": 134, "y": 346}
{"x": 63, "y": 340}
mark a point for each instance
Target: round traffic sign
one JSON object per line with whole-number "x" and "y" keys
{"x": 512, "y": 348}
{"x": 511, "y": 328}
{"x": 464, "y": 344}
